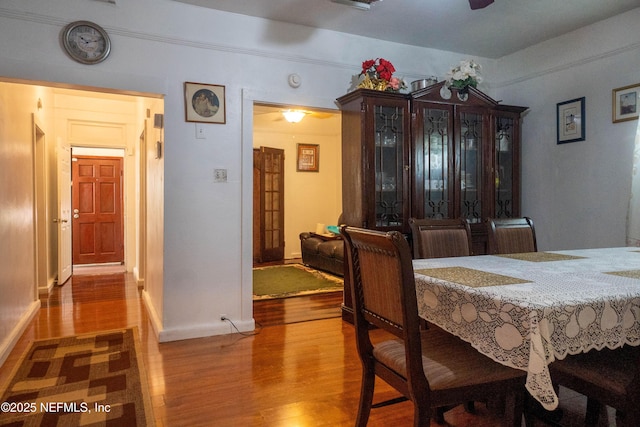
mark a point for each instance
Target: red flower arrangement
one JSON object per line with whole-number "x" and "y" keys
{"x": 378, "y": 75}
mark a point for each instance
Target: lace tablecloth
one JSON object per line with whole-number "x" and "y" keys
{"x": 526, "y": 310}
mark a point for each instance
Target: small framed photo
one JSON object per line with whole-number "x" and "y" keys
{"x": 571, "y": 121}
{"x": 204, "y": 103}
{"x": 625, "y": 103}
{"x": 308, "y": 159}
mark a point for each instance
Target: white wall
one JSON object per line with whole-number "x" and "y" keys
{"x": 203, "y": 249}
{"x": 577, "y": 193}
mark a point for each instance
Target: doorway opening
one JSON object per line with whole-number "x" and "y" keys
{"x": 97, "y": 203}
{"x": 308, "y": 198}
{"x": 96, "y": 119}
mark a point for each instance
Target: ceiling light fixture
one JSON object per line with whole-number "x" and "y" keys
{"x": 358, "y": 4}
{"x": 293, "y": 116}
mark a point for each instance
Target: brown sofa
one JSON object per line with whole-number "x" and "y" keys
{"x": 323, "y": 252}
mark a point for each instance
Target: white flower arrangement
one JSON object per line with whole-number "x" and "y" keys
{"x": 467, "y": 73}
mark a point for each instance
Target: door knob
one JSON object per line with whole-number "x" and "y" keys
{"x": 76, "y": 216}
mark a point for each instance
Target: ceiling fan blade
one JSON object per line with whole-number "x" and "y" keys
{"x": 479, "y": 4}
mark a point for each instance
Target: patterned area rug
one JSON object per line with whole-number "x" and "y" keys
{"x": 82, "y": 380}
{"x": 292, "y": 280}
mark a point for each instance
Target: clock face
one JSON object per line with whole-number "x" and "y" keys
{"x": 86, "y": 42}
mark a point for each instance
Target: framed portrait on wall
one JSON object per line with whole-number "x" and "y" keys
{"x": 570, "y": 121}
{"x": 204, "y": 103}
{"x": 308, "y": 158}
{"x": 625, "y": 103}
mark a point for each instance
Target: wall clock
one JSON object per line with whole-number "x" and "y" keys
{"x": 86, "y": 42}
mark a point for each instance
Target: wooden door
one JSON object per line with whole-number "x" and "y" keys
{"x": 65, "y": 232}
{"x": 269, "y": 167}
{"x": 97, "y": 210}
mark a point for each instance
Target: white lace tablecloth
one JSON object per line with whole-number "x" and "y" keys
{"x": 538, "y": 309}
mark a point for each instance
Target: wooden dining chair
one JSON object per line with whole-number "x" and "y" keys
{"x": 440, "y": 238}
{"x": 606, "y": 377}
{"x": 432, "y": 368}
{"x": 511, "y": 235}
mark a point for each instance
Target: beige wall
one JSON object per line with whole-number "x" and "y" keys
{"x": 18, "y": 299}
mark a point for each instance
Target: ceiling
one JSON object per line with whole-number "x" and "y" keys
{"x": 501, "y": 28}
{"x": 316, "y": 121}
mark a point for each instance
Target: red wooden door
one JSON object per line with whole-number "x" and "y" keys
{"x": 97, "y": 210}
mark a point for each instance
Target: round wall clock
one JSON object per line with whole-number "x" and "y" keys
{"x": 86, "y": 42}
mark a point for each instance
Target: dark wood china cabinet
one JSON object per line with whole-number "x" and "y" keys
{"x": 434, "y": 153}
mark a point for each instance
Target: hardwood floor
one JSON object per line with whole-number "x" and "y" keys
{"x": 296, "y": 374}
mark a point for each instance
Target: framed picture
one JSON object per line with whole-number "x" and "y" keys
{"x": 625, "y": 103}
{"x": 308, "y": 159}
{"x": 204, "y": 103}
{"x": 571, "y": 120}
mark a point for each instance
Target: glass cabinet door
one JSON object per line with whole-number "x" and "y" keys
{"x": 389, "y": 154}
{"x": 469, "y": 149}
{"x": 504, "y": 167}
{"x": 435, "y": 149}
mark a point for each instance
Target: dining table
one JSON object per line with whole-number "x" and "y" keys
{"x": 527, "y": 310}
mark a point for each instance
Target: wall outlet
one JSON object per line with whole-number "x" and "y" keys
{"x": 223, "y": 317}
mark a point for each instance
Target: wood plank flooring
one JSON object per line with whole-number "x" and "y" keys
{"x": 302, "y": 374}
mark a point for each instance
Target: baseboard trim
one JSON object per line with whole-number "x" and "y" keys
{"x": 201, "y": 331}
{"x": 156, "y": 322}
{"x": 10, "y": 342}
{"x": 46, "y": 290}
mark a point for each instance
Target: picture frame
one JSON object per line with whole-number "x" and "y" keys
{"x": 625, "y": 103}
{"x": 570, "y": 118}
{"x": 308, "y": 158}
{"x": 204, "y": 103}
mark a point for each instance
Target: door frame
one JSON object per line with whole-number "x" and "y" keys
{"x": 40, "y": 209}
{"x": 249, "y": 97}
{"x": 119, "y": 203}
{"x": 120, "y": 152}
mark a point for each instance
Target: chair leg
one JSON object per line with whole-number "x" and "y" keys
{"x": 366, "y": 397}
{"x": 593, "y": 412}
{"x": 421, "y": 415}
{"x": 514, "y": 408}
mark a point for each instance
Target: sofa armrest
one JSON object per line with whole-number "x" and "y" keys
{"x": 324, "y": 237}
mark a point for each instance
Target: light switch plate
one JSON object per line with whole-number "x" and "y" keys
{"x": 200, "y": 132}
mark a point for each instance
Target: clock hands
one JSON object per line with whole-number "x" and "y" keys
{"x": 86, "y": 42}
